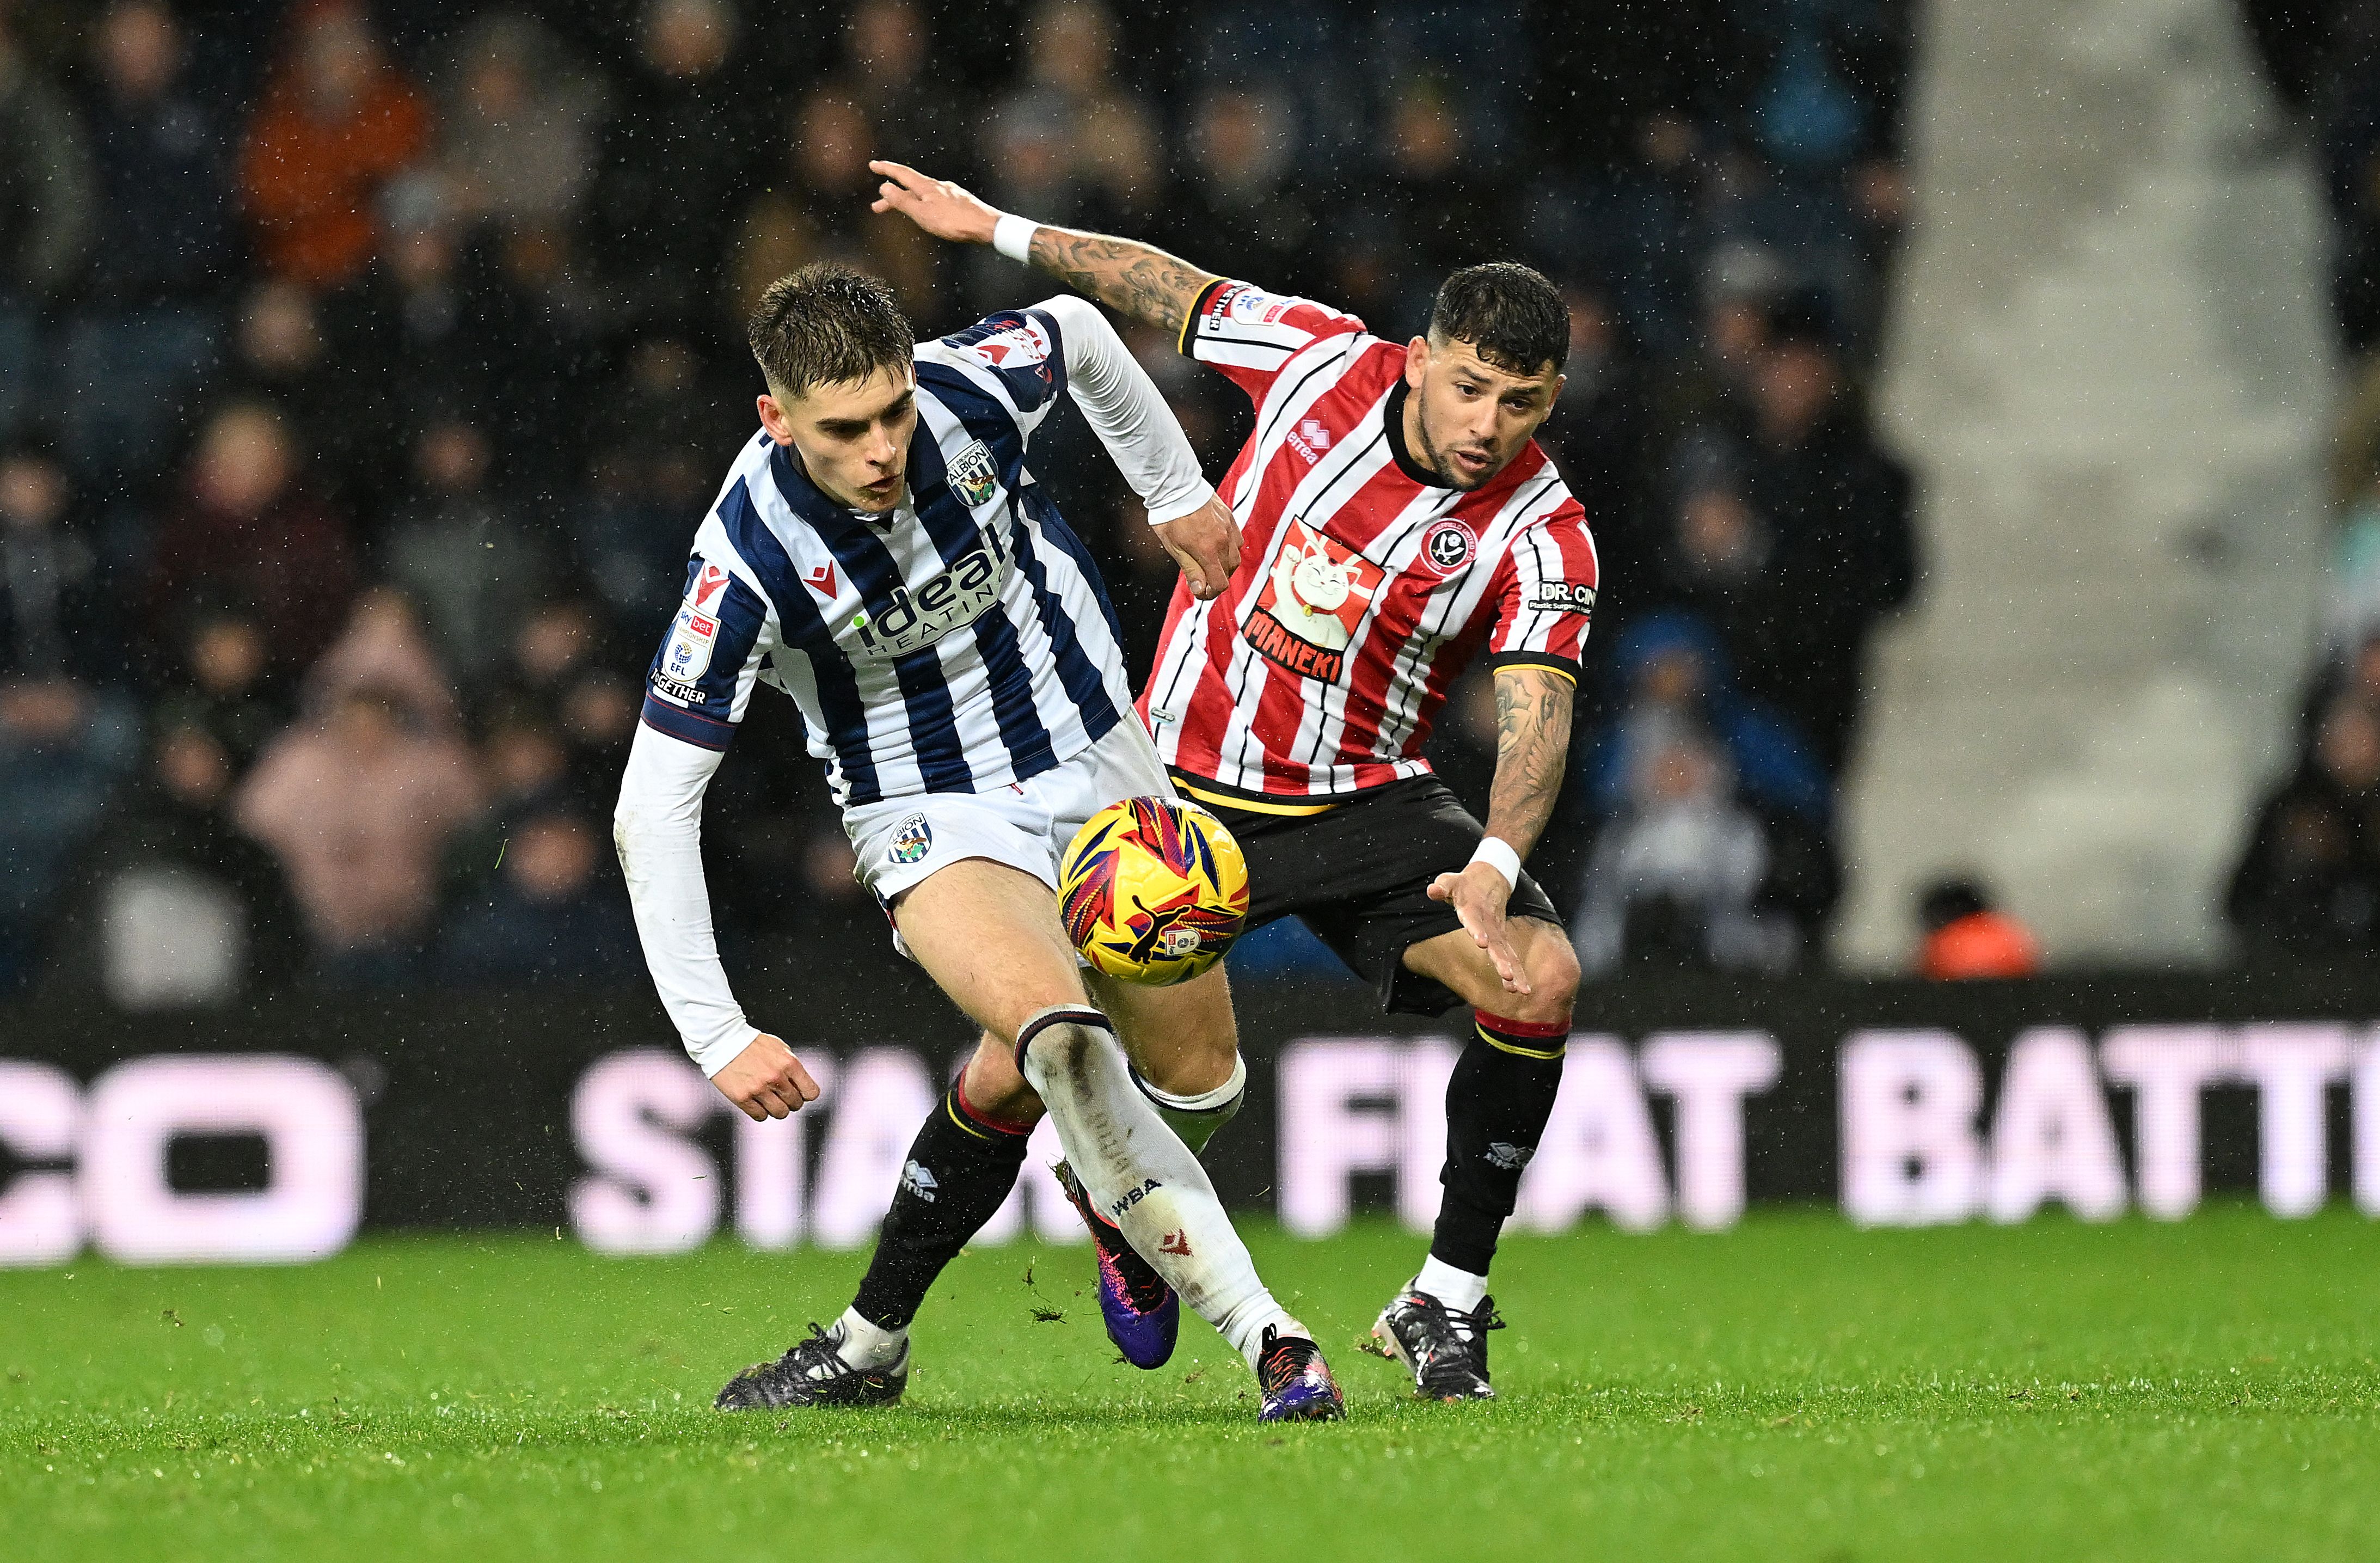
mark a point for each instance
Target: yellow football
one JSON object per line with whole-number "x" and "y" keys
{"x": 1153, "y": 890}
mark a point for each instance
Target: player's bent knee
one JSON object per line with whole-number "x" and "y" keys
{"x": 1552, "y": 966}
{"x": 1199, "y": 1064}
{"x": 1558, "y": 978}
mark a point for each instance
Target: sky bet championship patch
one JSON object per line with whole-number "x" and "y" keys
{"x": 692, "y": 639}
{"x": 912, "y": 839}
{"x": 695, "y": 635}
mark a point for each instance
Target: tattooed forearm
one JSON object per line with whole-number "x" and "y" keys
{"x": 1533, "y": 710}
{"x": 1140, "y": 280}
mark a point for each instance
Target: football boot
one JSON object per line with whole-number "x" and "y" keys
{"x": 1142, "y": 1313}
{"x": 1296, "y": 1382}
{"x": 1446, "y": 1352}
{"x": 814, "y": 1374}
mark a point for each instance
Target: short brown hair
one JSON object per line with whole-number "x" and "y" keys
{"x": 827, "y": 324}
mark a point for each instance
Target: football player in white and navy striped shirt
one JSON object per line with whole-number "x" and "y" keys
{"x": 880, "y": 552}
{"x": 1400, "y": 521}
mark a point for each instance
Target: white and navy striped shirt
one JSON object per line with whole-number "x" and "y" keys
{"x": 962, "y": 642}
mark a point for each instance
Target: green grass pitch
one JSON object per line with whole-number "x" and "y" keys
{"x": 1793, "y": 1389}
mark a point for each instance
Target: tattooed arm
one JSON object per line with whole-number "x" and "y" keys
{"x": 1138, "y": 280}
{"x": 1533, "y": 710}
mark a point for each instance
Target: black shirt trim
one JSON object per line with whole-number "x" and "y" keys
{"x": 1190, "y": 321}
{"x": 1565, "y": 666}
{"x": 1392, "y": 417}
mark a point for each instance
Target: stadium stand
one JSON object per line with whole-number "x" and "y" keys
{"x": 364, "y": 369}
{"x": 2114, "y": 369}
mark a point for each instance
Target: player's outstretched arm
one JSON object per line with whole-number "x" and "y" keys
{"x": 1532, "y": 715}
{"x": 658, "y": 829}
{"x": 1139, "y": 280}
{"x": 1145, "y": 440}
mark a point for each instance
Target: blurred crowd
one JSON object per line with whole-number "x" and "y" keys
{"x": 364, "y": 370}
{"x": 2307, "y": 884}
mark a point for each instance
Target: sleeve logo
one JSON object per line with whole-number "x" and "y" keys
{"x": 973, "y": 475}
{"x": 1563, "y": 597}
{"x": 1250, "y": 305}
{"x": 1316, "y": 592}
{"x": 693, "y": 635}
{"x": 1023, "y": 336}
{"x": 1220, "y": 308}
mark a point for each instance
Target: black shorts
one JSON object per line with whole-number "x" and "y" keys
{"x": 1358, "y": 875}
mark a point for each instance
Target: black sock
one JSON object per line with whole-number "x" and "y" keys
{"x": 1496, "y": 1104}
{"x": 961, "y": 1168}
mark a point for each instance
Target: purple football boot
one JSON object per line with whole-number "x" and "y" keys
{"x": 1296, "y": 1382}
{"x": 1142, "y": 1313}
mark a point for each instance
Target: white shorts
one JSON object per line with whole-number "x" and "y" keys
{"x": 1026, "y": 825}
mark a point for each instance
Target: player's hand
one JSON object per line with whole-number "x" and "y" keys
{"x": 766, "y": 1080}
{"x": 1479, "y": 896}
{"x": 1206, "y": 543}
{"x": 942, "y": 208}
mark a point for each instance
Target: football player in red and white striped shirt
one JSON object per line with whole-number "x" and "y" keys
{"x": 1398, "y": 519}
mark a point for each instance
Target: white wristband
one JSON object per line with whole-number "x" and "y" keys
{"x": 1498, "y": 854}
{"x": 1012, "y": 236}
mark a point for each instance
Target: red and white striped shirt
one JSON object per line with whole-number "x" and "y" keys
{"x": 1364, "y": 584}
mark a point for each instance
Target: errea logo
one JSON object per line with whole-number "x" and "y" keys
{"x": 1309, "y": 440}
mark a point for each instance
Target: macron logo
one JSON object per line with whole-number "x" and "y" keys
{"x": 1309, "y": 440}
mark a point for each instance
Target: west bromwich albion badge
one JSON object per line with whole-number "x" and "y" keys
{"x": 973, "y": 475}
{"x": 912, "y": 839}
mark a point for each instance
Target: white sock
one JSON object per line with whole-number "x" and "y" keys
{"x": 1195, "y": 1119}
{"x": 1143, "y": 1178}
{"x": 1458, "y": 1289}
{"x": 869, "y": 1346}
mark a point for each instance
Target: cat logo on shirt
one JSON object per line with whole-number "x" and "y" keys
{"x": 973, "y": 475}
{"x": 1316, "y": 594}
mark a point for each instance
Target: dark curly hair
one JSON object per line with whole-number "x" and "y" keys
{"x": 1510, "y": 313}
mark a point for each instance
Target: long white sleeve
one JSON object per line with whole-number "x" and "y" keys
{"x": 1124, "y": 408}
{"x": 658, "y": 828}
